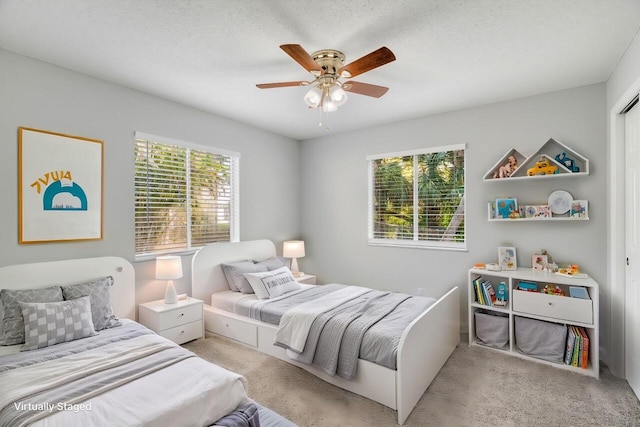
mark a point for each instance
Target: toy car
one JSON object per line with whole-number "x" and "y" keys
{"x": 542, "y": 167}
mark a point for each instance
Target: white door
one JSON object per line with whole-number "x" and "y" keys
{"x": 632, "y": 297}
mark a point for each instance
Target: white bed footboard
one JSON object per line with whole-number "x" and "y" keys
{"x": 424, "y": 348}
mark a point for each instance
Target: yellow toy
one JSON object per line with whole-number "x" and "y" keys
{"x": 542, "y": 167}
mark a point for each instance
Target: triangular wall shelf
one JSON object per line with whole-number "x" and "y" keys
{"x": 550, "y": 150}
{"x": 495, "y": 170}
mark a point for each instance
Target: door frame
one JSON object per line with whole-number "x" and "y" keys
{"x": 614, "y": 346}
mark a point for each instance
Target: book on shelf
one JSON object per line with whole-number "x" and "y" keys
{"x": 485, "y": 293}
{"x": 576, "y": 347}
{"x": 584, "y": 356}
{"x": 571, "y": 339}
{"x": 476, "y": 286}
{"x": 491, "y": 294}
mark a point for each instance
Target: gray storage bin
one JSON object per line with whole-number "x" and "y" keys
{"x": 492, "y": 330}
{"x": 543, "y": 340}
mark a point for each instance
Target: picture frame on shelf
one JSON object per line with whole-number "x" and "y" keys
{"x": 579, "y": 209}
{"x": 538, "y": 262}
{"x": 537, "y": 211}
{"x": 506, "y": 207}
{"x": 507, "y": 258}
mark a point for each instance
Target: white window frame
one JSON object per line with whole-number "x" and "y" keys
{"x": 414, "y": 243}
{"x": 234, "y": 226}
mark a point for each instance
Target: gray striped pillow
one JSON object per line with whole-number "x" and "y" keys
{"x": 50, "y": 323}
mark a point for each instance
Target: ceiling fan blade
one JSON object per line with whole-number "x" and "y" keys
{"x": 364, "y": 89}
{"x": 281, "y": 84}
{"x": 303, "y": 58}
{"x": 368, "y": 62}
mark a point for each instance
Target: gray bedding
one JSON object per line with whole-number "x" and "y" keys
{"x": 377, "y": 338}
{"x": 136, "y": 354}
{"x": 129, "y": 332}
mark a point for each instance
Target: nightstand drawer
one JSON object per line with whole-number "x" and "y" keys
{"x": 557, "y": 307}
{"x": 183, "y": 333}
{"x": 234, "y": 329}
{"x": 179, "y": 316}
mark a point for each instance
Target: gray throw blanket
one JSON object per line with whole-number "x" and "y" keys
{"x": 244, "y": 416}
{"x": 333, "y": 344}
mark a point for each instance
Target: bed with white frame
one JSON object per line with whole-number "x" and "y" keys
{"x": 424, "y": 347}
{"x": 198, "y": 388}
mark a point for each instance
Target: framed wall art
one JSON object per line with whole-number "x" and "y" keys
{"x": 59, "y": 187}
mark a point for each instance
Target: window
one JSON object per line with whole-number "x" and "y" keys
{"x": 416, "y": 198}
{"x": 185, "y": 195}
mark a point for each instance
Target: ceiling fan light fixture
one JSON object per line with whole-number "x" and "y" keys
{"x": 328, "y": 105}
{"x": 313, "y": 97}
{"x": 338, "y": 95}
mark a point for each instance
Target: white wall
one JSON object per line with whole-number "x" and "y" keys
{"x": 622, "y": 86}
{"x": 43, "y": 96}
{"x": 334, "y": 193}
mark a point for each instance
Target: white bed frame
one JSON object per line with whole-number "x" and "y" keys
{"x": 424, "y": 347}
{"x": 43, "y": 274}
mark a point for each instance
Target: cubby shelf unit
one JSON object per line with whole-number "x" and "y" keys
{"x": 540, "y": 306}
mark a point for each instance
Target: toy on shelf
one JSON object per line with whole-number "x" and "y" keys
{"x": 502, "y": 295}
{"x": 542, "y": 167}
{"x": 507, "y": 169}
{"x": 567, "y": 162}
{"x": 571, "y": 271}
{"x": 552, "y": 289}
{"x": 528, "y": 287}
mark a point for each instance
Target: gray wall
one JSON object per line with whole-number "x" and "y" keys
{"x": 334, "y": 193}
{"x": 42, "y": 96}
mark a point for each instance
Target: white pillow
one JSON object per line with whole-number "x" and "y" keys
{"x": 272, "y": 284}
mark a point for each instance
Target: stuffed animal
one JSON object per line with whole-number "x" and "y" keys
{"x": 507, "y": 169}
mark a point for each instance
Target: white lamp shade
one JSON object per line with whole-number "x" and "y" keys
{"x": 313, "y": 97}
{"x": 293, "y": 249}
{"x": 168, "y": 267}
{"x": 338, "y": 95}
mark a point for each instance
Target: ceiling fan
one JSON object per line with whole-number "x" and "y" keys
{"x": 327, "y": 67}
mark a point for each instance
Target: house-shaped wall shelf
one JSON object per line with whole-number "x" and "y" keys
{"x": 495, "y": 170}
{"x": 568, "y": 161}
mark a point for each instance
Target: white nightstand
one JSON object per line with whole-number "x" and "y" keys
{"x": 309, "y": 279}
{"x": 179, "y": 322}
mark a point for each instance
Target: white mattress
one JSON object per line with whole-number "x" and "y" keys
{"x": 239, "y": 303}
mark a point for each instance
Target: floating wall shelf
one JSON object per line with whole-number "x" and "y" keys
{"x": 549, "y": 150}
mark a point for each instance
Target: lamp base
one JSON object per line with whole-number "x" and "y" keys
{"x": 170, "y": 295}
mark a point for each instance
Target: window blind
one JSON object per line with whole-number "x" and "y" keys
{"x": 416, "y": 198}
{"x": 185, "y": 197}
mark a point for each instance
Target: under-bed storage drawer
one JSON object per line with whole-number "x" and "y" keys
{"x": 233, "y": 328}
{"x": 557, "y": 307}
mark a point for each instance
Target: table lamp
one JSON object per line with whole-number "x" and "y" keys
{"x": 293, "y": 249}
{"x": 168, "y": 268}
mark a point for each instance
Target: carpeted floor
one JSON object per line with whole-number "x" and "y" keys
{"x": 476, "y": 387}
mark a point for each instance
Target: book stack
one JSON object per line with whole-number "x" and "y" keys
{"x": 485, "y": 294}
{"x": 577, "y": 351}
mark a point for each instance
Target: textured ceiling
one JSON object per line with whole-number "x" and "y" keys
{"x": 209, "y": 54}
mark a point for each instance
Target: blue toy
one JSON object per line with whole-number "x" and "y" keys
{"x": 567, "y": 162}
{"x": 501, "y": 292}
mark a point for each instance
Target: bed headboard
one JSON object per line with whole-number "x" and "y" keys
{"x": 206, "y": 274}
{"x": 43, "y": 274}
